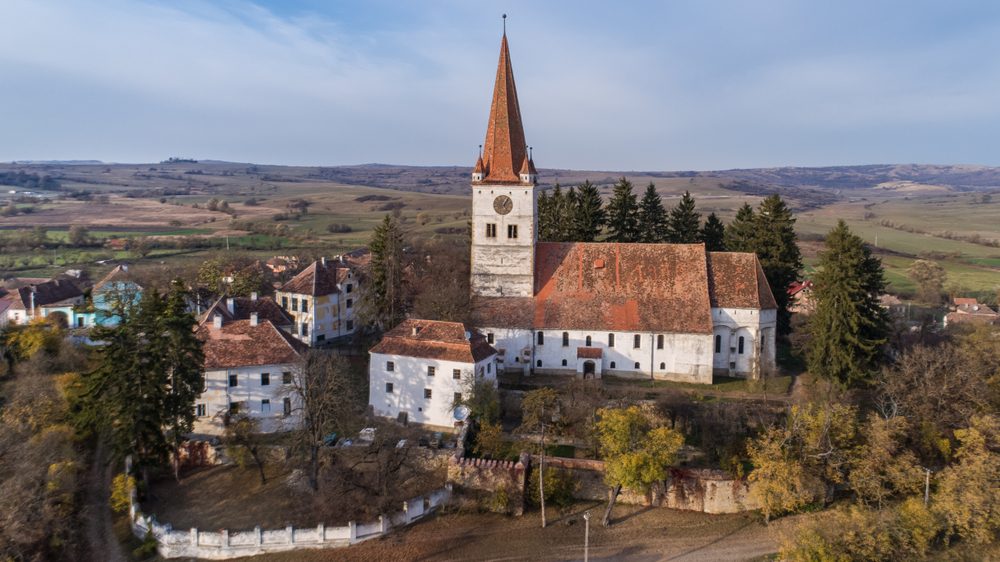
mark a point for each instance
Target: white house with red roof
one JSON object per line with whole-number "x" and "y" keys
{"x": 322, "y": 300}
{"x": 661, "y": 311}
{"x": 421, "y": 368}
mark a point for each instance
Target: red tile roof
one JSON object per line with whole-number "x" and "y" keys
{"x": 238, "y": 344}
{"x": 505, "y": 149}
{"x": 265, "y": 308}
{"x": 588, "y": 353}
{"x": 736, "y": 280}
{"x": 432, "y": 339}
{"x": 319, "y": 279}
{"x": 968, "y": 301}
{"x": 622, "y": 287}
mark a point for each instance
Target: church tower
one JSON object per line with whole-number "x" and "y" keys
{"x": 503, "y": 198}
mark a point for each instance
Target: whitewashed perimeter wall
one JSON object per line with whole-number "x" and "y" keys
{"x": 224, "y": 545}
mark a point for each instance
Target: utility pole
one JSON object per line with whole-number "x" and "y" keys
{"x": 586, "y": 536}
{"x": 927, "y": 485}
{"x": 541, "y": 475}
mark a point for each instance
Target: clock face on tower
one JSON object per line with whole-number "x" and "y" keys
{"x": 502, "y": 205}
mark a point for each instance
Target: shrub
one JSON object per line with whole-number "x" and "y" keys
{"x": 560, "y": 485}
{"x": 120, "y": 492}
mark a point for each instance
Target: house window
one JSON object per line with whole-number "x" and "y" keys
{"x": 611, "y": 340}
{"x": 265, "y": 406}
{"x": 718, "y": 344}
{"x": 458, "y": 398}
{"x": 663, "y": 366}
{"x": 564, "y": 363}
{"x": 427, "y": 394}
{"x": 740, "y": 346}
{"x": 79, "y": 321}
{"x": 659, "y": 341}
{"x": 636, "y": 364}
{"x": 350, "y": 303}
{"x": 565, "y": 339}
{"x": 286, "y": 406}
{"x": 234, "y": 408}
{"x": 295, "y": 304}
{"x": 489, "y": 338}
{"x": 388, "y": 388}
{"x": 350, "y": 325}
{"x": 491, "y": 230}
{"x": 305, "y": 305}
{"x": 232, "y": 380}
{"x": 456, "y": 374}
{"x": 265, "y": 379}
{"x": 321, "y": 337}
{"x": 305, "y": 329}
{"x": 390, "y": 366}
{"x": 511, "y": 231}
{"x": 541, "y": 338}
{"x": 200, "y": 410}
{"x": 286, "y": 377}
{"x": 588, "y": 341}
{"x": 284, "y": 303}
{"x": 350, "y": 287}
{"x": 538, "y": 363}
{"x": 430, "y": 370}
{"x": 489, "y": 367}
{"x": 637, "y": 341}
{"x": 612, "y": 364}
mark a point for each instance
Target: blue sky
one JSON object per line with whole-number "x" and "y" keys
{"x": 671, "y": 85}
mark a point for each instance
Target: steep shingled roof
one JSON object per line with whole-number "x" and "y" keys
{"x": 319, "y": 279}
{"x": 238, "y": 344}
{"x": 736, "y": 280}
{"x": 46, "y": 293}
{"x": 505, "y": 149}
{"x": 265, "y": 308}
{"x": 433, "y": 339}
{"x": 622, "y": 287}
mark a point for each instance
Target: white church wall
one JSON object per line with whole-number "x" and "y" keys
{"x": 757, "y": 328}
{"x": 511, "y": 342}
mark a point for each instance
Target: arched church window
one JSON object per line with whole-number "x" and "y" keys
{"x": 663, "y": 366}
{"x": 588, "y": 341}
{"x": 611, "y": 340}
{"x": 538, "y": 363}
{"x": 636, "y": 364}
{"x": 565, "y": 339}
{"x": 740, "y": 346}
{"x": 564, "y": 363}
{"x": 612, "y": 364}
{"x": 541, "y": 338}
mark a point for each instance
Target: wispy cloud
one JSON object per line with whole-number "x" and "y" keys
{"x": 687, "y": 85}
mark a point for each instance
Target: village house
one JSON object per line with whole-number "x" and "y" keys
{"x": 663, "y": 311}
{"x": 421, "y": 368}
{"x": 240, "y": 308}
{"x": 41, "y": 299}
{"x": 322, "y": 300}
{"x": 800, "y": 299}
{"x": 968, "y": 310}
{"x": 251, "y": 367}
{"x": 107, "y": 297}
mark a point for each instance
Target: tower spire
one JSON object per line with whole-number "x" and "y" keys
{"x": 504, "y": 150}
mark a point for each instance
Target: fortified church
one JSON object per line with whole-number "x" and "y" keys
{"x": 662, "y": 311}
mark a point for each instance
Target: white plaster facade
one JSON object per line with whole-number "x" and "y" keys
{"x": 323, "y": 318}
{"x": 503, "y": 245}
{"x": 275, "y": 404}
{"x": 400, "y": 384}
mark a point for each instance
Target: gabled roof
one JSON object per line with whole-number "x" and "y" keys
{"x": 319, "y": 279}
{"x": 265, "y": 308}
{"x": 433, "y": 339}
{"x": 238, "y": 344}
{"x": 736, "y": 280}
{"x": 120, "y": 273}
{"x": 622, "y": 287}
{"x": 46, "y": 293}
{"x": 504, "y": 149}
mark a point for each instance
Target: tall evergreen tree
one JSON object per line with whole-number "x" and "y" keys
{"x": 383, "y": 303}
{"x": 180, "y": 351}
{"x": 590, "y": 215}
{"x": 545, "y": 220}
{"x": 652, "y": 217}
{"x": 567, "y": 217}
{"x": 777, "y": 248}
{"x": 623, "y": 213}
{"x": 713, "y": 234}
{"x": 684, "y": 222}
{"x": 740, "y": 232}
{"x": 848, "y": 327}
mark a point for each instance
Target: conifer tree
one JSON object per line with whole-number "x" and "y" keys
{"x": 623, "y": 211}
{"x": 652, "y": 217}
{"x": 567, "y": 216}
{"x": 777, "y": 248}
{"x": 383, "y": 303}
{"x": 544, "y": 210}
{"x": 684, "y": 222}
{"x": 713, "y": 234}
{"x": 848, "y": 327}
{"x": 740, "y": 232}
{"x": 590, "y": 216}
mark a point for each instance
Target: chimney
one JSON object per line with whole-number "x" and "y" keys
{"x": 322, "y": 261}
{"x": 217, "y": 322}
{"x": 231, "y": 305}
{"x": 125, "y": 267}
{"x": 253, "y": 318}
{"x": 416, "y": 330}
{"x": 253, "y": 296}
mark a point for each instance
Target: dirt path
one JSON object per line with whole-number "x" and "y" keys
{"x": 644, "y": 534}
{"x": 98, "y": 526}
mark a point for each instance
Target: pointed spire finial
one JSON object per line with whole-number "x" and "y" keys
{"x": 480, "y": 151}
{"x": 504, "y": 24}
